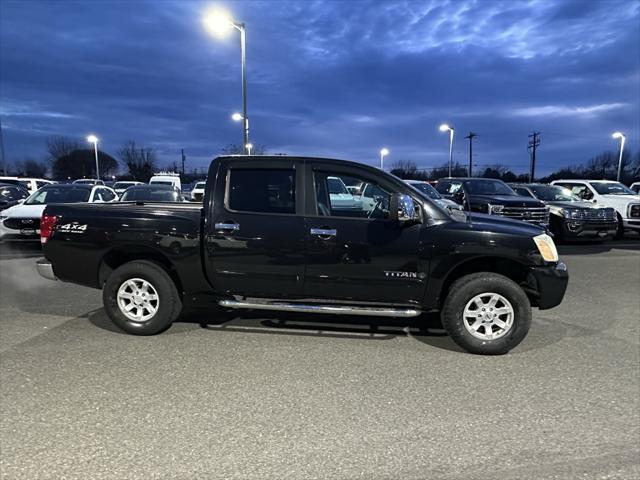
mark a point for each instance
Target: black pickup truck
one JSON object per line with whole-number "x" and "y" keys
{"x": 271, "y": 235}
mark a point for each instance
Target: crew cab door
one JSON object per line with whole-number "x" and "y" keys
{"x": 354, "y": 251}
{"x": 254, "y": 228}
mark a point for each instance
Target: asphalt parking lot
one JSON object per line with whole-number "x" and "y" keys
{"x": 265, "y": 396}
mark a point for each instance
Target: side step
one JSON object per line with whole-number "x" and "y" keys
{"x": 332, "y": 309}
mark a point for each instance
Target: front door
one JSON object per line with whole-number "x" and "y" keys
{"x": 255, "y": 236}
{"x": 354, "y": 251}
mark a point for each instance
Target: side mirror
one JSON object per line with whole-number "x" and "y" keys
{"x": 403, "y": 209}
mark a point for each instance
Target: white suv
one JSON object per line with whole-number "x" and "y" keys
{"x": 610, "y": 194}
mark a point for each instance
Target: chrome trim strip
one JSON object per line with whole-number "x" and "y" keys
{"x": 331, "y": 309}
{"x": 45, "y": 269}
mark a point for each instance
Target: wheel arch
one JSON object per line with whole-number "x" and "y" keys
{"x": 117, "y": 257}
{"x": 510, "y": 268}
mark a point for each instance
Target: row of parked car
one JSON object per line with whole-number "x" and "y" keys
{"x": 570, "y": 209}
{"x": 22, "y": 201}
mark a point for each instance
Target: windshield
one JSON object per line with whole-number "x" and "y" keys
{"x": 47, "y": 195}
{"x": 200, "y": 185}
{"x": 150, "y": 195}
{"x": 611, "y": 188}
{"x": 551, "y": 193}
{"x": 488, "y": 187}
{"x": 336, "y": 187}
{"x": 427, "y": 189}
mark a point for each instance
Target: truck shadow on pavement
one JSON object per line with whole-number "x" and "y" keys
{"x": 426, "y": 328}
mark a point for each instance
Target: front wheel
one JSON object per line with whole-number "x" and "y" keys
{"x": 141, "y": 298}
{"x": 486, "y": 313}
{"x": 619, "y": 229}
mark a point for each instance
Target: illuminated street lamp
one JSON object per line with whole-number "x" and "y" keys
{"x": 93, "y": 139}
{"x": 443, "y": 128}
{"x": 622, "y": 138}
{"x": 383, "y": 153}
{"x": 218, "y": 22}
{"x": 248, "y": 148}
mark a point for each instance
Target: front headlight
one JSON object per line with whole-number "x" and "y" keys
{"x": 497, "y": 209}
{"x": 571, "y": 212}
{"x": 546, "y": 247}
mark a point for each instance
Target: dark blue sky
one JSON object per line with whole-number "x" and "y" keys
{"x": 339, "y": 79}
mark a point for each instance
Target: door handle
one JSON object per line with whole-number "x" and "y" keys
{"x": 227, "y": 226}
{"x": 324, "y": 233}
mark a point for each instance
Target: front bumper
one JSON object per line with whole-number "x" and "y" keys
{"x": 45, "y": 269}
{"x": 631, "y": 224}
{"x": 588, "y": 230}
{"x": 549, "y": 284}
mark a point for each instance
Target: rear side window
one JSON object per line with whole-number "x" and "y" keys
{"x": 262, "y": 190}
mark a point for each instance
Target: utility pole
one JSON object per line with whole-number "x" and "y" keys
{"x": 534, "y": 142}
{"x": 183, "y": 160}
{"x": 471, "y": 137}
{"x": 4, "y": 160}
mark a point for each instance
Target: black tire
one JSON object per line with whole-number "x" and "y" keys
{"x": 463, "y": 290}
{"x": 620, "y": 230}
{"x": 168, "y": 304}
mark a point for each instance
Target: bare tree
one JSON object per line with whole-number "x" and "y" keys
{"x": 59, "y": 146}
{"x": 31, "y": 168}
{"x": 140, "y": 161}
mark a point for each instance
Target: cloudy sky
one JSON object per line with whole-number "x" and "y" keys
{"x": 334, "y": 78}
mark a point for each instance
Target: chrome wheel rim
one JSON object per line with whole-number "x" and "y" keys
{"x": 138, "y": 300}
{"x": 488, "y": 316}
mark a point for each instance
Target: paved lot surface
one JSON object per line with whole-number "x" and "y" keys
{"x": 265, "y": 397}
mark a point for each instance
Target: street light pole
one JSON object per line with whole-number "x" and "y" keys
{"x": 384, "y": 152}
{"x": 218, "y": 22}
{"x": 622, "y": 138}
{"x": 443, "y": 128}
{"x": 93, "y": 139}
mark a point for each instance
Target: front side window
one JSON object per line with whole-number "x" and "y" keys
{"x": 580, "y": 190}
{"x": 522, "y": 191}
{"x": 333, "y": 198}
{"x": 262, "y": 190}
{"x": 551, "y": 193}
{"x": 611, "y": 188}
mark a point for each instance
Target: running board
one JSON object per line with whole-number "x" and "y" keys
{"x": 332, "y": 309}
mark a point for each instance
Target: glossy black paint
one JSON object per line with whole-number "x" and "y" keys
{"x": 276, "y": 256}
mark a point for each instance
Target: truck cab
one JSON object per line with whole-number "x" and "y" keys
{"x": 270, "y": 235}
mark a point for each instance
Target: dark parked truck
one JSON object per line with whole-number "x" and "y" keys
{"x": 493, "y": 197}
{"x": 271, "y": 236}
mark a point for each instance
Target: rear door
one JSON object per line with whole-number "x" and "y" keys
{"x": 354, "y": 252}
{"x": 255, "y": 236}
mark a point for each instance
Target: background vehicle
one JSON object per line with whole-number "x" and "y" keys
{"x": 635, "y": 187}
{"x": 31, "y": 184}
{"x": 269, "y": 238}
{"x": 432, "y": 193}
{"x": 11, "y": 195}
{"x": 610, "y": 194}
{"x": 493, "y": 197}
{"x": 197, "y": 194}
{"x": 121, "y": 186}
{"x": 22, "y": 222}
{"x": 88, "y": 181}
{"x": 572, "y": 218}
{"x": 341, "y": 197}
{"x": 166, "y": 178}
{"x": 152, "y": 193}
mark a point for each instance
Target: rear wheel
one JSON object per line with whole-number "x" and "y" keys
{"x": 141, "y": 298}
{"x": 486, "y": 313}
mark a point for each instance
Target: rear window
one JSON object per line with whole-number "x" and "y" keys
{"x": 161, "y": 182}
{"x": 47, "y": 195}
{"x": 150, "y": 195}
{"x": 262, "y": 190}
